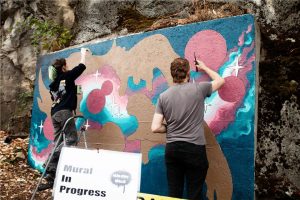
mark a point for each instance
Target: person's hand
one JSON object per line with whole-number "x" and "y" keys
{"x": 83, "y": 51}
{"x": 200, "y": 65}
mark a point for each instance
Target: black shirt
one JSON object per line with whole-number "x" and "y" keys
{"x": 67, "y": 81}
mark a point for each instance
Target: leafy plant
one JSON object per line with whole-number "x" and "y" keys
{"x": 46, "y": 34}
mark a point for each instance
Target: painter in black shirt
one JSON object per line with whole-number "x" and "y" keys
{"x": 64, "y": 97}
{"x": 63, "y": 89}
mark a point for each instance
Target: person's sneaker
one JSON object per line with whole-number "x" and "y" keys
{"x": 45, "y": 186}
{"x": 49, "y": 177}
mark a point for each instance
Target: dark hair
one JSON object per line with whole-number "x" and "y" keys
{"x": 59, "y": 63}
{"x": 179, "y": 69}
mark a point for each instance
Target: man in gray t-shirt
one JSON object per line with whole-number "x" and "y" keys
{"x": 182, "y": 108}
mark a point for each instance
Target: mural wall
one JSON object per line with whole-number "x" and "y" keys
{"x": 121, "y": 85}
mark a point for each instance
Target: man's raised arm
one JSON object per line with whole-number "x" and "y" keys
{"x": 217, "y": 80}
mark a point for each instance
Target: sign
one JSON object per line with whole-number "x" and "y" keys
{"x": 142, "y": 196}
{"x": 91, "y": 174}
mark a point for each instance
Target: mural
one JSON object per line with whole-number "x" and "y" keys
{"x": 122, "y": 83}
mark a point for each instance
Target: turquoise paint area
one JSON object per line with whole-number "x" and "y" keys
{"x": 242, "y": 173}
{"x": 135, "y": 87}
{"x": 231, "y": 59}
{"x": 79, "y": 122}
{"x": 37, "y": 138}
{"x": 34, "y": 164}
{"x": 127, "y": 124}
{"x": 195, "y": 75}
{"x": 156, "y": 151}
{"x": 244, "y": 122}
{"x": 249, "y": 39}
{"x": 159, "y": 84}
{"x": 154, "y": 179}
{"x": 157, "y": 73}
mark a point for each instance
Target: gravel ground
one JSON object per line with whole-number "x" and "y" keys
{"x": 17, "y": 179}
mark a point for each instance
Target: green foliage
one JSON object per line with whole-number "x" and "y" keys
{"x": 46, "y": 34}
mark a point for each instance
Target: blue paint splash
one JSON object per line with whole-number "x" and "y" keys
{"x": 135, "y": 87}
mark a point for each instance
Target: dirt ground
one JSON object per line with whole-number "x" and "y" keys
{"x": 17, "y": 179}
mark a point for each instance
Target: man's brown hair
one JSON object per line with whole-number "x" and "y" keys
{"x": 59, "y": 63}
{"x": 180, "y": 68}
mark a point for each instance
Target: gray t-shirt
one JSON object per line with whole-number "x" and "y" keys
{"x": 182, "y": 106}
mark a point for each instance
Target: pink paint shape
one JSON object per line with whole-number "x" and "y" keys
{"x": 241, "y": 39}
{"x": 247, "y": 67}
{"x": 249, "y": 28}
{"x": 218, "y": 126}
{"x": 209, "y": 46}
{"x": 48, "y": 129}
{"x": 129, "y": 92}
{"x": 110, "y": 83}
{"x": 246, "y": 62}
{"x": 108, "y": 72}
{"x": 132, "y": 146}
{"x": 233, "y": 90}
{"x": 95, "y": 101}
{"x": 107, "y": 88}
{"x": 94, "y": 125}
{"x": 223, "y": 117}
{"x": 43, "y": 155}
{"x": 245, "y": 53}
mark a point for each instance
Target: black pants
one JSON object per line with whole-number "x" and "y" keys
{"x": 58, "y": 120}
{"x": 186, "y": 161}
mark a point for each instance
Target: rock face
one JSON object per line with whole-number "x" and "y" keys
{"x": 277, "y": 159}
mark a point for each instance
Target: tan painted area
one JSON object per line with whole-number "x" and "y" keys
{"x": 141, "y": 107}
{"x": 45, "y": 101}
{"x": 218, "y": 177}
{"x": 139, "y": 61}
{"x": 109, "y": 137}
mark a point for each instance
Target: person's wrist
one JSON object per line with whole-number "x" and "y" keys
{"x": 82, "y": 60}
{"x": 204, "y": 68}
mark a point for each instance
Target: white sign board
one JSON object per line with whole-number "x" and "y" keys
{"x": 91, "y": 174}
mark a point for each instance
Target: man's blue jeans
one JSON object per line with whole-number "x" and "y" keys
{"x": 186, "y": 162}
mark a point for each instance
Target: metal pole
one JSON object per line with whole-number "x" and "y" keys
{"x": 84, "y": 138}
